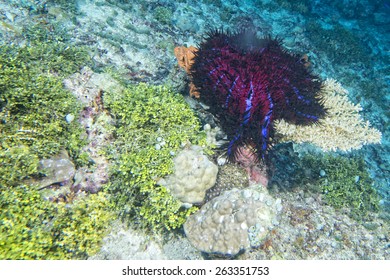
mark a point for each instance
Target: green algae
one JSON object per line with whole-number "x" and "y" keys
{"x": 344, "y": 183}
{"x": 147, "y": 116}
{"x": 33, "y": 126}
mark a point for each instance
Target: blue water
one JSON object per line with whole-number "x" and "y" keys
{"x": 345, "y": 40}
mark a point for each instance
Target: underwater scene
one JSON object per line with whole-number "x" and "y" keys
{"x": 194, "y": 130}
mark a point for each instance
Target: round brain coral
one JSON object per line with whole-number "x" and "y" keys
{"x": 249, "y": 82}
{"x": 233, "y": 221}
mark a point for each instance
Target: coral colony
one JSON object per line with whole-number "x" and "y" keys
{"x": 249, "y": 82}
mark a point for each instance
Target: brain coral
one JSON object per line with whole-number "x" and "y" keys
{"x": 193, "y": 175}
{"x": 233, "y": 221}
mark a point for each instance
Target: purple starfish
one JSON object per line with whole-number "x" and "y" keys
{"x": 249, "y": 82}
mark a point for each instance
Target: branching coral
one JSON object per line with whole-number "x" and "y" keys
{"x": 341, "y": 129}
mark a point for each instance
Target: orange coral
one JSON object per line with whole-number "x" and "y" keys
{"x": 185, "y": 58}
{"x": 194, "y": 91}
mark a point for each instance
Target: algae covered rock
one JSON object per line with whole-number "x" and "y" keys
{"x": 193, "y": 175}
{"x": 234, "y": 221}
{"x": 58, "y": 169}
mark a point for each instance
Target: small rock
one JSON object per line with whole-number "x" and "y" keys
{"x": 69, "y": 118}
{"x": 357, "y": 178}
{"x": 58, "y": 169}
{"x": 221, "y": 161}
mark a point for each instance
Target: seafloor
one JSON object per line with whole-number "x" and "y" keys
{"x": 348, "y": 41}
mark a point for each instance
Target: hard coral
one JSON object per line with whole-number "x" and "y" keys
{"x": 193, "y": 175}
{"x": 341, "y": 129}
{"x": 233, "y": 221}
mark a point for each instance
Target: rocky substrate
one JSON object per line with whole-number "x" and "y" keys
{"x": 307, "y": 229}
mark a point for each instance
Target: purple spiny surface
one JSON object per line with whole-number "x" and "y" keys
{"x": 249, "y": 82}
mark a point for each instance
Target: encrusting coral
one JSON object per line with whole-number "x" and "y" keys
{"x": 341, "y": 129}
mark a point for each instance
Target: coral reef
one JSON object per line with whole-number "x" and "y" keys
{"x": 88, "y": 87}
{"x": 33, "y": 228}
{"x": 34, "y": 106}
{"x": 193, "y": 175}
{"x": 341, "y": 129}
{"x": 126, "y": 243}
{"x": 310, "y": 229}
{"x": 37, "y": 122}
{"x": 159, "y": 124}
{"x": 234, "y": 221}
{"x": 163, "y": 15}
{"x": 230, "y": 176}
{"x": 136, "y": 38}
{"x": 341, "y": 46}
